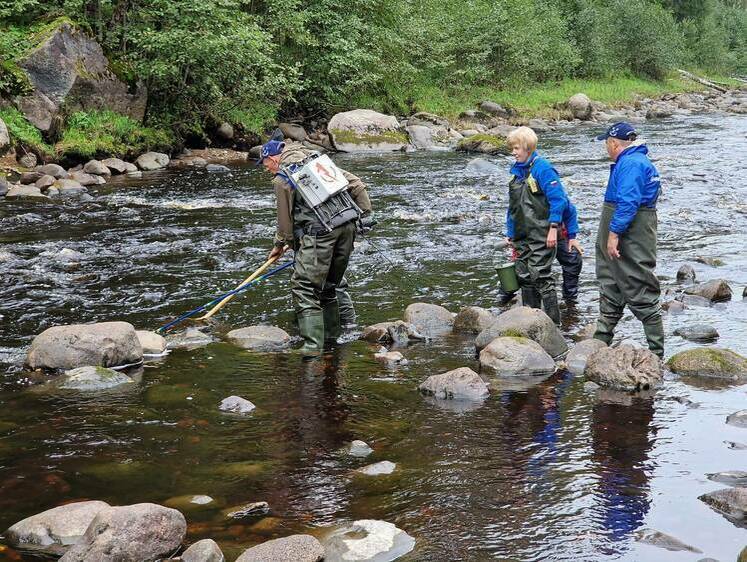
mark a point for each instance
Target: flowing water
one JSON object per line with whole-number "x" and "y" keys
{"x": 542, "y": 471}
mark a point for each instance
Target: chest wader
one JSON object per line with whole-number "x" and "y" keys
{"x": 530, "y": 212}
{"x": 629, "y": 280}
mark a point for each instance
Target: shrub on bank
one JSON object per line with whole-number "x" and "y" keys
{"x": 23, "y": 134}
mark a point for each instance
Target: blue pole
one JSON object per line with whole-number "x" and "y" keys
{"x": 216, "y": 300}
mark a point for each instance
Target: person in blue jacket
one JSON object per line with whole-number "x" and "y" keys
{"x": 626, "y": 241}
{"x": 537, "y": 205}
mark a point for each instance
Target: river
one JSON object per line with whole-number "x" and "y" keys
{"x": 538, "y": 472}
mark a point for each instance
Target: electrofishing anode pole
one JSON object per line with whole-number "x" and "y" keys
{"x": 220, "y": 298}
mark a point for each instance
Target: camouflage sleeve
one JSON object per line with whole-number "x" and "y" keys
{"x": 357, "y": 190}
{"x": 284, "y": 196}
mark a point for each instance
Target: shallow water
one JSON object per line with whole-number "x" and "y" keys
{"x": 540, "y": 471}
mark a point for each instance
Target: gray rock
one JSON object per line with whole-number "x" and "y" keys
{"x": 402, "y": 333}
{"x": 717, "y": 290}
{"x": 68, "y": 187}
{"x": 189, "y": 339}
{"x": 482, "y": 166}
{"x": 736, "y": 445}
{"x": 152, "y": 161}
{"x": 624, "y": 368}
{"x": 4, "y": 186}
{"x": 217, "y": 168}
{"x": 28, "y": 178}
{"x": 106, "y": 344}
{"x": 69, "y": 69}
{"x": 54, "y": 530}
{"x": 152, "y": 343}
{"x": 586, "y": 332}
{"x": 526, "y": 322}
{"x": 694, "y": 300}
{"x": 659, "y": 112}
{"x": 28, "y": 160}
{"x": 4, "y": 137}
{"x": 515, "y": 356}
{"x": 731, "y": 502}
{"x": 492, "y": 108}
{"x": 86, "y": 179}
{"x": 117, "y": 166}
{"x": 134, "y": 175}
{"x": 134, "y": 533}
{"x": 698, "y": 333}
{"x": 26, "y": 192}
{"x": 390, "y": 358}
{"x": 377, "y": 333}
{"x": 467, "y": 133}
{"x": 378, "y": 468}
{"x": 55, "y": 170}
{"x": 359, "y": 449}
{"x": 44, "y": 182}
{"x": 225, "y": 132}
{"x": 712, "y": 262}
{"x": 293, "y": 131}
{"x": 709, "y": 362}
{"x": 247, "y": 510}
{"x": 473, "y": 319}
{"x": 260, "y": 338}
{"x": 96, "y": 168}
{"x": 206, "y": 550}
{"x": 686, "y": 273}
{"x": 591, "y": 387}
{"x": 737, "y": 419}
{"x": 580, "y": 106}
{"x": 367, "y": 540}
{"x": 236, "y": 405}
{"x": 461, "y": 383}
{"x": 737, "y": 478}
{"x": 429, "y": 319}
{"x": 364, "y": 130}
{"x": 484, "y": 144}
{"x": 91, "y": 378}
{"x": 673, "y": 307}
{"x": 662, "y": 540}
{"x": 295, "y": 548}
{"x": 579, "y": 355}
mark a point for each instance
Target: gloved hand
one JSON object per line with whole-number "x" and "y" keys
{"x": 366, "y": 224}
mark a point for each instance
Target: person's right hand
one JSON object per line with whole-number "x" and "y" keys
{"x": 276, "y": 252}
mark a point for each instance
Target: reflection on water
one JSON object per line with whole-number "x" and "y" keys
{"x": 542, "y": 470}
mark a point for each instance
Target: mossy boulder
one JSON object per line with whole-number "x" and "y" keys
{"x": 484, "y": 144}
{"x": 364, "y": 130}
{"x": 709, "y": 362}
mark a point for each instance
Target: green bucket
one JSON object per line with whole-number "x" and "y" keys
{"x": 507, "y": 277}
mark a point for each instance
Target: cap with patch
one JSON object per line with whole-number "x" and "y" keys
{"x": 272, "y": 147}
{"x": 621, "y": 131}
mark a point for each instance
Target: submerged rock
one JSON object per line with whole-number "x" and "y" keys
{"x": 295, "y": 548}
{"x": 480, "y": 165}
{"x": 367, "y": 540}
{"x": 260, "y": 338}
{"x": 247, "y": 510}
{"x": 133, "y": 533}
{"x": 529, "y": 323}
{"x": 579, "y": 355}
{"x": 709, "y": 362}
{"x": 737, "y": 419}
{"x": 106, "y": 344}
{"x": 515, "y": 356}
{"x": 737, "y": 478}
{"x": 732, "y": 502}
{"x": 53, "y": 531}
{"x": 189, "y": 339}
{"x": 473, "y": 319}
{"x": 429, "y": 319}
{"x": 390, "y": 358}
{"x": 694, "y": 300}
{"x": 717, "y": 290}
{"x": 191, "y": 502}
{"x": 378, "y": 468}
{"x": 206, "y": 550}
{"x": 624, "y": 368}
{"x": 236, "y": 405}
{"x": 662, "y": 540}
{"x": 462, "y": 383}
{"x": 91, "y": 378}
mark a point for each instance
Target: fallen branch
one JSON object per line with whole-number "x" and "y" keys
{"x": 702, "y": 81}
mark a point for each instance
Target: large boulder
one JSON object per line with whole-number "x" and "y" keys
{"x": 67, "y": 186}
{"x": 117, "y": 166}
{"x": 97, "y": 168}
{"x": 429, "y": 319}
{"x": 717, "y": 290}
{"x": 4, "y": 137}
{"x": 461, "y": 383}
{"x": 53, "y": 531}
{"x": 526, "y": 322}
{"x": 295, "y": 548}
{"x": 152, "y": 161}
{"x": 293, "y": 131}
{"x": 431, "y": 132}
{"x": 732, "y": 502}
{"x": 55, "y": 170}
{"x": 31, "y": 177}
{"x": 709, "y": 362}
{"x": 91, "y": 378}
{"x": 26, "y": 192}
{"x": 579, "y": 355}
{"x": 366, "y": 539}
{"x": 515, "y": 356}
{"x": 85, "y": 179}
{"x": 69, "y": 68}
{"x": 106, "y": 344}
{"x": 206, "y": 550}
{"x": 364, "y": 130}
{"x": 473, "y": 320}
{"x": 133, "y": 533}
{"x": 260, "y": 338}
{"x": 580, "y": 106}
{"x": 624, "y": 367}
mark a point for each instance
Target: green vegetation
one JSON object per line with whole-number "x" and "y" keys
{"x": 23, "y": 133}
{"x": 392, "y": 137}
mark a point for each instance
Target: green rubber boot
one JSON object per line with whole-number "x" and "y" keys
{"x": 530, "y": 297}
{"x": 311, "y": 328}
{"x": 332, "y": 329}
{"x": 654, "y": 330}
{"x": 550, "y": 305}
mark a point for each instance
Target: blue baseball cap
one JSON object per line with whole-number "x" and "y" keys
{"x": 272, "y": 147}
{"x": 621, "y": 130}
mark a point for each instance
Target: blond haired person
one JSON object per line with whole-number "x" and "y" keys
{"x": 539, "y": 218}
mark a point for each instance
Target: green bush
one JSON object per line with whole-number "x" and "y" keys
{"x": 23, "y": 134}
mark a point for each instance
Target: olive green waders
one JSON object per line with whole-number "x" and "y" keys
{"x": 530, "y": 212}
{"x": 321, "y": 261}
{"x": 630, "y": 279}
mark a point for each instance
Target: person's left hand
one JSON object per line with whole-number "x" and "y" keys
{"x": 574, "y": 244}
{"x": 552, "y": 237}
{"x": 613, "y": 241}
